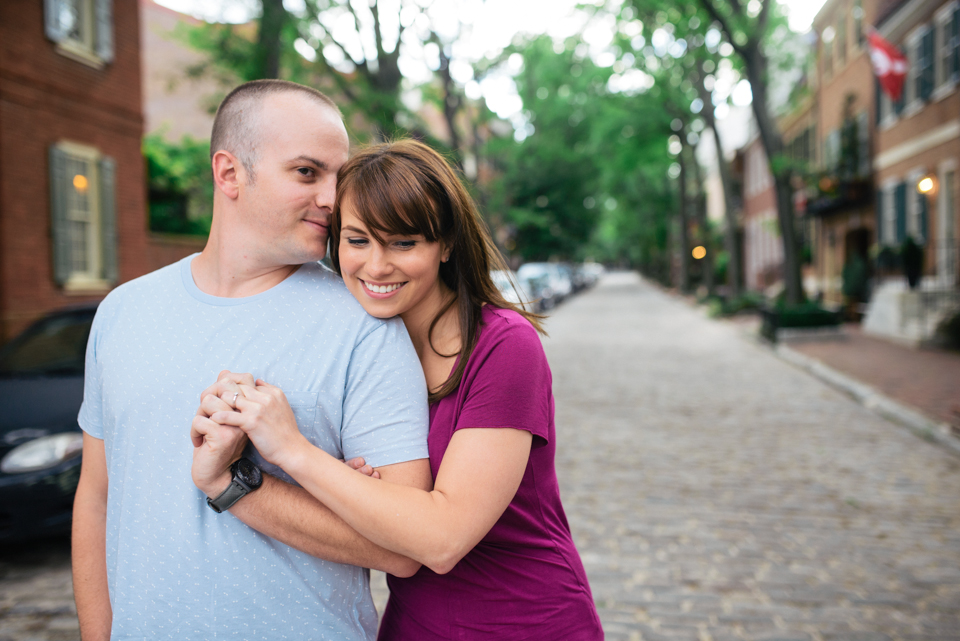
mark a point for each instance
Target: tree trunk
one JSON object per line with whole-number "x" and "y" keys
{"x": 772, "y": 142}
{"x": 269, "y": 38}
{"x": 683, "y": 236}
{"x": 729, "y": 212}
{"x": 700, "y": 214}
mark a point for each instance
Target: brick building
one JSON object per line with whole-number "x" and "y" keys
{"x": 72, "y": 194}
{"x": 916, "y": 165}
{"x": 841, "y": 201}
{"x": 762, "y": 244}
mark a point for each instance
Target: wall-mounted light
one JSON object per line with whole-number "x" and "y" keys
{"x": 927, "y": 185}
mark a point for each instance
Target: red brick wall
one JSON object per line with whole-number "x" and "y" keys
{"x": 46, "y": 97}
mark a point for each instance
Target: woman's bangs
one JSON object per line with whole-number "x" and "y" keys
{"x": 396, "y": 205}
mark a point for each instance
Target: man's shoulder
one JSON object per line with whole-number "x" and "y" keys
{"x": 326, "y": 284}
{"x": 141, "y": 288}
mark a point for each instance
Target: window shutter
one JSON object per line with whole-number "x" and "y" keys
{"x": 878, "y": 101}
{"x": 108, "y": 218}
{"x": 926, "y": 65}
{"x": 103, "y": 16}
{"x": 922, "y": 205}
{"x": 59, "y": 231}
{"x": 955, "y": 39}
{"x": 51, "y": 20}
{"x": 900, "y": 196}
{"x": 879, "y": 211}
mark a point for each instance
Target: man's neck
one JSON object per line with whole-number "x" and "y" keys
{"x": 234, "y": 270}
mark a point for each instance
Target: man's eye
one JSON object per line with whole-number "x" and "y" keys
{"x": 305, "y": 171}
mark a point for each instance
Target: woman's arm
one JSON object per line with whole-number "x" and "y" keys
{"x": 481, "y": 471}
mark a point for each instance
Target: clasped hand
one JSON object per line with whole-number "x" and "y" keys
{"x": 236, "y": 409}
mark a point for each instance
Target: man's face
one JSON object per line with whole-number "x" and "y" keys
{"x": 287, "y": 207}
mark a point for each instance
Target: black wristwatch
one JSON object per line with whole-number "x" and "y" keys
{"x": 246, "y": 478}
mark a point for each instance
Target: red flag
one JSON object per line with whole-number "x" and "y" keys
{"x": 889, "y": 65}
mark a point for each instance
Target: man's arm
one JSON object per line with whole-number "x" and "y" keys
{"x": 90, "y": 544}
{"x": 289, "y": 513}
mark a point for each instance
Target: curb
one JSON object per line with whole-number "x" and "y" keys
{"x": 873, "y": 400}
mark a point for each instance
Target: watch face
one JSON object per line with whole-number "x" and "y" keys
{"x": 249, "y": 473}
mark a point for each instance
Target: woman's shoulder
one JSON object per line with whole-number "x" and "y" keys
{"x": 504, "y": 330}
{"x": 497, "y": 321}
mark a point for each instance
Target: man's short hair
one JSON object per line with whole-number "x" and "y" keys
{"x": 236, "y": 127}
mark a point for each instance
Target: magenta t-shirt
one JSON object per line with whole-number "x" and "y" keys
{"x": 524, "y": 580}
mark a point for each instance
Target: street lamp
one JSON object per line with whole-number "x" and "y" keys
{"x": 699, "y": 252}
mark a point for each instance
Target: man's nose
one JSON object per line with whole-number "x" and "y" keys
{"x": 327, "y": 192}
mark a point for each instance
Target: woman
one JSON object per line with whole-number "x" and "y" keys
{"x": 499, "y": 561}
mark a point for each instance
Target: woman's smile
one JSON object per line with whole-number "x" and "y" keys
{"x": 381, "y": 290}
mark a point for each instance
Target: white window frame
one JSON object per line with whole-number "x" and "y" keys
{"x": 889, "y": 213}
{"x": 946, "y": 246}
{"x": 913, "y": 43}
{"x": 913, "y": 211}
{"x": 90, "y": 279}
{"x": 944, "y": 83}
{"x": 94, "y": 46}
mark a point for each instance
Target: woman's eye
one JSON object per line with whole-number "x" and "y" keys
{"x": 406, "y": 244}
{"x": 356, "y": 242}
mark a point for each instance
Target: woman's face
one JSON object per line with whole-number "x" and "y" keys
{"x": 390, "y": 279}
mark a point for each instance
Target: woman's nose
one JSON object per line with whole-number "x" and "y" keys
{"x": 379, "y": 263}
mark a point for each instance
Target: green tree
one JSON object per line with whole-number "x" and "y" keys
{"x": 588, "y": 178}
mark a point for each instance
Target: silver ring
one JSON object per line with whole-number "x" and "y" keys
{"x": 235, "y": 395}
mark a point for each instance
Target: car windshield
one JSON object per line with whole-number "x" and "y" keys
{"x": 54, "y": 346}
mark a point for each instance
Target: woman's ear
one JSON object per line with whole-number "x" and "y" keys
{"x": 445, "y": 256}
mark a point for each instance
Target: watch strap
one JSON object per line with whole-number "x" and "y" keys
{"x": 234, "y": 492}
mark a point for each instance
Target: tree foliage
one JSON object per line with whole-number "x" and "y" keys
{"x": 590, "y": 179}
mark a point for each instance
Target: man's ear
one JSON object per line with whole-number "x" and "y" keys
{"x": 227, "y": 173}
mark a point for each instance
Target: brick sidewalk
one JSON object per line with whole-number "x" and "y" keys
{"x": 926, "y": 379}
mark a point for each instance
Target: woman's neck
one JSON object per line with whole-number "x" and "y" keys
{"x": 446, "y": 333}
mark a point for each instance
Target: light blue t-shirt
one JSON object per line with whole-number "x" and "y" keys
{"x": 177, "y": 570}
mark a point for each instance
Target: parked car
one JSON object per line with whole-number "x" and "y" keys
{"x": 589, "y": 273}
{"x": 513, "y": 290}
{"x": 554, "y": 282}
{"x": 41, "y": 384}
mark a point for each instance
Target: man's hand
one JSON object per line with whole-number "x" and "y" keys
{"x": 264, "y": 414}
{"x": 216, "y": 447}
{"x": 227, "y": 389}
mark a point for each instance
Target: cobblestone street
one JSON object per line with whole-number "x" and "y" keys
{"x": 715, "y": 492}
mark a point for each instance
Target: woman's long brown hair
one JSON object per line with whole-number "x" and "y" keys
{"x": 405, "y": 188}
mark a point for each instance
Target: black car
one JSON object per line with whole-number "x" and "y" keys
{"x": 41, "y": 387}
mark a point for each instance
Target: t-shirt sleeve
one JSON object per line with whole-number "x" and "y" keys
{"x": 385, "y": 413}
{"x": 91, "y": 410}
{"x": 511, "y": 386}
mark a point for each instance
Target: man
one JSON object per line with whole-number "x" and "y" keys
{"x": 151, "y": 559}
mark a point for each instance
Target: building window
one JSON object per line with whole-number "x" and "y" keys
{"x": 858, "y": 22}
{"x": 826, "y": 48}
{"x": 888, "y": 215}
{"x": 841, "y": 40}
{"x": 863, "y": 144}
{"x": 916, "y": 223}
{"x": 83, "y": 217}
{"x": 82, "y": 29}
{"x": 947, "y": 45}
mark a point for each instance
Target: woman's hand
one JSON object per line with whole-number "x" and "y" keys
{"x": 265, "y": 416}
